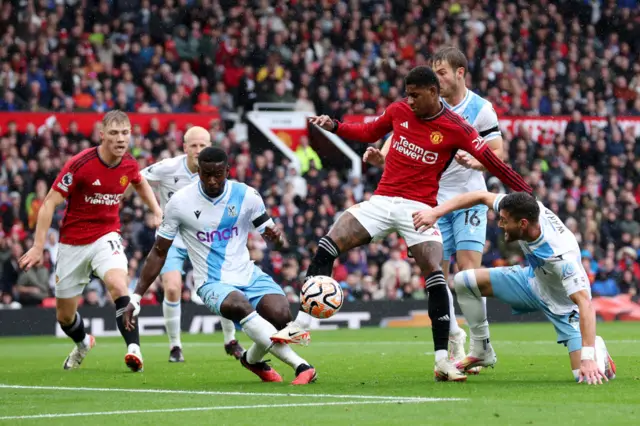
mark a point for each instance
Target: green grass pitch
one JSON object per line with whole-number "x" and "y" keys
{"x": 370, "y": 376}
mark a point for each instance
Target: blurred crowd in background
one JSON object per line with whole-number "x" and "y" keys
{"x": 569, "y": 57}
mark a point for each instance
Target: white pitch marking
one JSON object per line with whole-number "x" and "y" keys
{"x": 192, "y": 392}
{"x": 233, "y": 407}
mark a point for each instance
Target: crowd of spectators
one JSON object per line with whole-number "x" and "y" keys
{"x": 568, "y": 57}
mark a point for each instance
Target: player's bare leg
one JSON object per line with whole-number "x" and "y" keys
{"x": 466, "y": 260}
{"x": 71, "y": 323}
{"x": 171, "y": 310}
{"x": 344, "y": 235}
{"x": 428, "y": 256}
{"x": 237, "y": 308}
{"x": 471, "y": 286}
{"x": 275, "y": 309}
{"x": 116, "y": 282}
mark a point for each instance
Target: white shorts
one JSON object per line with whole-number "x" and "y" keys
{"x": 76, "y": 263}
{"x": 383, "y": 215}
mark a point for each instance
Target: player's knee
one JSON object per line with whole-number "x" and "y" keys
{"x": 116, "y": 282}
{"x": 275, "y": 309}
{"x": 281, "y": 316}
{"x": 172, "y": 285}
{"x": 235, "y": 307}
{"x": 464, "y": 282}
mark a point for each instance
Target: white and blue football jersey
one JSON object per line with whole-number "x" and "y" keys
{"x": 479, "y": 113}
{"x": 170, "y": 175}
{"x": 215, "y": 230}
{"x": 555, "y": 261}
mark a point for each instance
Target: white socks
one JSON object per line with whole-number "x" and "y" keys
{"x": 228, "y": 329}
{"x": 86, "y": 342}
{"x": 473, "y": 307}
{"x": 303, "y": 320}
{"x": 172, "y": 314}
{"x": 260, "y": 331}
{"x": 454, "y": 328}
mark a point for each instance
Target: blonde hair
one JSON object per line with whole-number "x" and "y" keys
{"x": 115, "y": 117}
{"x": 197, "y": 132}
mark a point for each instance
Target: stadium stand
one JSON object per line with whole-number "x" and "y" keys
{"x": 217, "y": 58}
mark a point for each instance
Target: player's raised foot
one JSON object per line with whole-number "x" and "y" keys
{"x": 133, "y": 359}
{"x": 292, "y": 334}
{"x": 78, "y": 354}
{"x": 305, "y": 374}
{"x": 446, "y": 371}
{"x": 234, "y": 349}
{"x": 261, "y": 369}
{"x": 175, "y": 355}
{"x": 486, "y": 358}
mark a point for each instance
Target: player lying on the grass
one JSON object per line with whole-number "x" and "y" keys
{"x": 554, "y": 283}
{"x": 214, "y": 217}
{"x": 93, "y": 183}
{"x": 426, "y": 136}
{"x": 171, "y": 175}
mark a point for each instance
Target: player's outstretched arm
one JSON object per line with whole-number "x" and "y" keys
{"x": 362, "y": 132}
{"x": 589, "y": 371}
{"x": 150, "y": 271}
{"x": 45, "y": 215}
{"x": 146, "y": 193}
{"x": 425, "y": 219}
{"x": 376, "y": 157}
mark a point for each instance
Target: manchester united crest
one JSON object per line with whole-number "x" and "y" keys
{"x": 436, "y": 138}
{"x": 124, "y": 181}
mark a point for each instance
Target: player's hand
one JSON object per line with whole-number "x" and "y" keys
{"x": 323, "y": 121}
{"x": 465, "y": 160}
{"x": 275, "y": 236}
{"x": 157, "y": 219}
{"x": 131, "y": 312}
{"x": 31, "y": 258}
{"x": 424, "y": 219}
{"x": 374, "y": 157}
{"x": 590, "y": 373}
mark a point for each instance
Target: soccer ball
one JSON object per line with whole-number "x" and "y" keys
{"x": 321, "y": 297}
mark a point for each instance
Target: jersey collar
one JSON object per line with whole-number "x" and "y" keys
{"x": 456, "y": 108}
{"x": 186, "y": 168}
{"x": 217, "y": 199}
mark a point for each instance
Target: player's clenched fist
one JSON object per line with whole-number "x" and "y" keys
{"x": 30, "y": 258}
{"x": 323, "y": 121}
{"x": 374, "y": 157}
{"x": 157, "y": 219}
{"x": 424, "y": 219}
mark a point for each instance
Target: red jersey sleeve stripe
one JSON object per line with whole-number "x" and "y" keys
{"x": 515, "y": 181}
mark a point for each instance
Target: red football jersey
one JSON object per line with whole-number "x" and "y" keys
{"x": 93, "y": 191}
{"x": 422, "y": 149}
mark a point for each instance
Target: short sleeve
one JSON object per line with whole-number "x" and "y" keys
{"x": 66, "y": 180}
{"x": 258, "y": 215}
{"x": 572, "y": 275}
{"x": 487, "y": 123}
{"x": 498, "y": 200}
{"x": 170, "y": 221}
{"x": 153, "y": 173}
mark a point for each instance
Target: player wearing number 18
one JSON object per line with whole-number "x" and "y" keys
{"x": 93, "y": 183}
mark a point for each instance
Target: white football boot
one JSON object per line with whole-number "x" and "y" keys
{"x": 292, "y": 334}
{"x": 446, "y": 371}
{"x": 133, "y": 358}
{"x": 478, "y": 357}
{"x": 78, "y": 354}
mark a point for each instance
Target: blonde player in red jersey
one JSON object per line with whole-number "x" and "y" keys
{"x": 426, "y": 137}
{"x": 93, "y": 183}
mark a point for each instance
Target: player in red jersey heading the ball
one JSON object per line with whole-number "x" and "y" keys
{"x": 426, "y": 137}
{"x": 93, "y": 183}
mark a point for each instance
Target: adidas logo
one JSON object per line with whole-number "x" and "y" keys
{"x": 96, "y": 183}
{"x": 405, "y": 124}
{"x": 444, "y": 318}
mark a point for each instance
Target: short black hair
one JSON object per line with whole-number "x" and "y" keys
{"x": 422, "y": 77}
{"x": 521, "y": 205}
{"x": 453, "y": 56}
{"x": 212, "y": 155}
